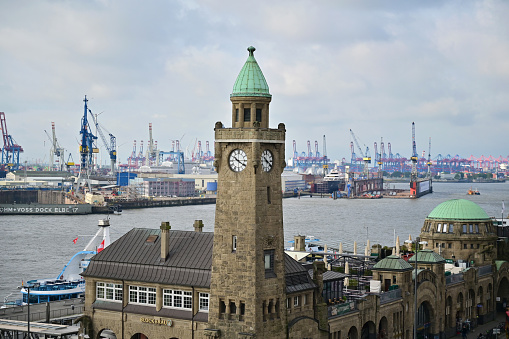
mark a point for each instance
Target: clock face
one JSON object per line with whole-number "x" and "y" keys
{"x": 238, "y": 160}
{"x": 267, "y": 160}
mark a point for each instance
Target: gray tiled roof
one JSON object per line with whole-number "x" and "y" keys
{"x": 297, "y": 277}
{"x": 189, "y": 262}
{"x": 133, "y": 258}
{"x": 330, "y": 275}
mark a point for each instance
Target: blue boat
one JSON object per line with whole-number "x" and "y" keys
{"x": 68, "y": 283}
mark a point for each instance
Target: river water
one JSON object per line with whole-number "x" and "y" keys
{"x": 36, "y": 247}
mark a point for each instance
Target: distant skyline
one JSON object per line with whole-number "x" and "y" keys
{"x": 331, "y": 66}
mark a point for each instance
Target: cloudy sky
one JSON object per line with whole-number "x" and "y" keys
{"x": 370, "y": 66}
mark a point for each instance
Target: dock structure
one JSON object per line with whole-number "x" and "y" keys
{"x": 53, "y": 319}
{"x": 360, "y": 186}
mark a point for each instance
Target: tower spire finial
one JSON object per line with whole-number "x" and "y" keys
{"x": 251, "y": 50}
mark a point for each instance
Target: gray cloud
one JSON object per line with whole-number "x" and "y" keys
{"x": 371, "y": 66}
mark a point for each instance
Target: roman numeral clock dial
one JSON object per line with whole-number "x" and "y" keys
{"x": 238, "y": 160}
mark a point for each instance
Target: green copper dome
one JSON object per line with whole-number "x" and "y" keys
{"x": 251, "y": 82}
{"x": 392, "y": 263}
{"x": 458, "y": 209}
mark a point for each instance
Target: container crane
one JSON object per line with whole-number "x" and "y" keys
{"x": 87, "y": 149}
{"x": 111, "y": 146}
{"x": 55, "y": 150}
{"x": 414, "y": 157}
{"x": 366, "y": 157}
{"x": 428, "y": 163}
{"x": 152, "y": 153}
{"x": 325, "y": 160}
{"x": 11, "y": 150}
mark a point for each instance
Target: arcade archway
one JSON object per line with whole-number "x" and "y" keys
{"x": 353, "y": 333}
{"x": 502, "y": 295}
{"x": 106, "y": 334}
{"x": 368, "y": 330}
{"x": 383, "y": 330}
{"x": 424, "y": 320}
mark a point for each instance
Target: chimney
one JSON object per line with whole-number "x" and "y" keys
{"x": 198, "y": 226}
{"x": 165, "y": 239}
{"x": 299, "y": 243}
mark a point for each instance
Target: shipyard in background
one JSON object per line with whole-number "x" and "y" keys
{"x": 152, "y": 177}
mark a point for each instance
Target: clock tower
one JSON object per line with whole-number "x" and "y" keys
{"x": 248, "y": 291}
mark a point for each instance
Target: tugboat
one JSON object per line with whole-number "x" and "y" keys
{"x": 473, "y": 192}
{"x": 68, "y": 283}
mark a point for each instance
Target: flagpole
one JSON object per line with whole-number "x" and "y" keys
{"x": 503, "y": 208}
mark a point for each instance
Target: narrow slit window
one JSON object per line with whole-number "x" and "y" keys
{"x": 234, "y": 243}
{"x": 236, "y": 115}
{"x": 247, "y": 114}
{"x": 268, "y": 195}
{"x": 259, "y": 114}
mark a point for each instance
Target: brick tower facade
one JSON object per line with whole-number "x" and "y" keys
{"x": 248, "y": 292}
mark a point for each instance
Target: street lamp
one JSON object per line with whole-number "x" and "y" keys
{"x": 417, "y": 243}
{"x": 28, "y": 303}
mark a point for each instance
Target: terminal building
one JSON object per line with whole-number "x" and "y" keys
{"x": 237, "y": 282}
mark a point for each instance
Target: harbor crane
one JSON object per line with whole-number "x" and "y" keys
{"x": 111, "y": 146}
{"x": 11, "y": 150}
{"x": 378, "y": 157}
{"x": 55, "y": 150}
{"x": 414, "y": 157}
{"x": 366, "y": 157}
{"x": 325, "y": 160}
{"x": 87, "y": 149}
{"x": 428, "y": 163}
{"x": 152, "y": 153}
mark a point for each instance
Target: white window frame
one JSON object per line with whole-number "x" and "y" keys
{"x": 183, "y": 299}
{"x": 234, "y": 243}
{"x": 296, "y": 301}
{"x": 108, "y": 291}
{"x": 203, "y": 301}
{"x": 142, "y": 295}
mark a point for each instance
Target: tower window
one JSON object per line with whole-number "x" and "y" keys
{"x": 464, "y": 228}
{"x": 222, "y": 306}
{"x": 233, "y": 307}
{"x": 259, "y": 114}
{"x": 234, "y": 243}
{"x": 247, "y": 114}
{"x": 236, "y": 115}
{"x": 451, "y": 228}
{"x": 268, "y": 195}
{"x": 269, "y": 263}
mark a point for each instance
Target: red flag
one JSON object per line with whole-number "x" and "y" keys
{"x": 101, "y": 247}
{"x": 75, "y": 240}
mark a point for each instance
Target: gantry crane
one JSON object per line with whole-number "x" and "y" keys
{"x": 55, "y": 150}
{"x": 413, "y": 158}
{"x": 378, "y": 156}
{"x": 87, "y": 149}
{"x": 366, "y": 157}
{"x": 111, "y": 146}
{"x": 11, "y": 150}
{"x": 429, "y": 160}
{"x": 152, "y": 153}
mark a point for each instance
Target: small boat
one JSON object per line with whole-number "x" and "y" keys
{"x": 473, "y": 192}
{"x": 68, "y": 283}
